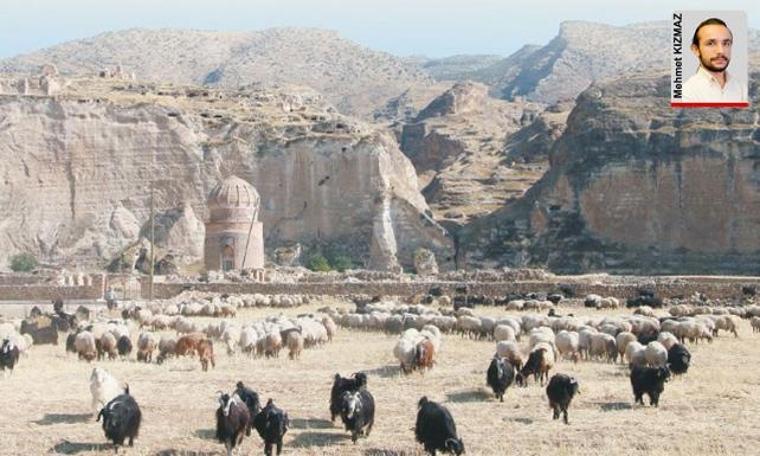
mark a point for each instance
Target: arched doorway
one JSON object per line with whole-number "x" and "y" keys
{"x": 228, "y": 258}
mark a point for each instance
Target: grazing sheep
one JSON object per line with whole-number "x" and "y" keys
{"x": 622, "y": 340}
{"x": 755, "y": 323}
{"x": 649, "y": 381}
{"x": 146, "y": 344}
{"x": 435, "y": 429}
{"x": 567, "y": 345}
{"x": 294, "y": 342}
{"x": 540, "y": 362}
{"x": 121, "y": 419}
{"x": 603, "y": 346}
{"x": 330, "y": 326}
{"x": 560, "y": 391}
{"x": 107, "y": 346}
{"x": 726, "y": 323}
{"x": 511, "y": 352}
{"x": 656, "y": 354}
{"x": 667, "y": 339}
{"x": 84, "y": 343}
{"x": 272, "y": 345}
{"x": 499, "y": 376}
{"x": 635, "y": 353}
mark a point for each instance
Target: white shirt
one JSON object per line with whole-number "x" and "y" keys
{"x": 704, "y": 87}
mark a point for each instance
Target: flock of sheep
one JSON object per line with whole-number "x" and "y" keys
{"x": 530, "y": 344}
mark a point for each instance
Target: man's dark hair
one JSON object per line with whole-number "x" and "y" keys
{"x": 711, "y": 21}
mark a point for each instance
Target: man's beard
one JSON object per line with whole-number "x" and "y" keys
{"x": 717, "y": 69}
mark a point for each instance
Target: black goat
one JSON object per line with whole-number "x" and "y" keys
{"x": 121, "y": 419}
{"x": 358, "y": 412}
{"x": 679, "y": 359}
{"x": 499, "y": 376}
{"x": 9, "y": 355}
{"x": 342, "y": 385}
{"x": 251, "y": 399}
{"x": 435, "y": 429}
{"x": 233, "y": 420}
{"x": 124, "y": 346}
{"x": 649, "y": 381}
{"x": 560, "y": 391}
{"x": 271, "y": 424}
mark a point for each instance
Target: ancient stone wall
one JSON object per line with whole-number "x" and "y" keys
{"x": 91, "y": 288}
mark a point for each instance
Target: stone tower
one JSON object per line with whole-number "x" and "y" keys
{"x": 233, "y": 231}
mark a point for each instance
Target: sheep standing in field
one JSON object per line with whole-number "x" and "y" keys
{"x": 567, "y": 345}
{"x": 510, "y": 351}
{"x": 603, "y": 346}
{"x": 656, "y": 354}
{"x": 166, "y": 348}
{"x": 294, "y": 342}
{"x": 622, "y": 340}
{"x": 404, "y": 353}
{"x": 755, "y": 323}
{"x": 540, "y": 362}
{"x": 107, "y": 347}
{"x": 146, "y": 344}
{"x": 635, "y": 353}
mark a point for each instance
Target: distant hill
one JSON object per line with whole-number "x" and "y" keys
{"x": 354, "y": 78}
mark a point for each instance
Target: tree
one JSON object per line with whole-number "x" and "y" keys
{"x": 23, "y": 262}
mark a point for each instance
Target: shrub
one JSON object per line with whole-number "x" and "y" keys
{"x": 318, "y": 262}
{"x": 342, "y": 262}
{"x": 23, "y": 262}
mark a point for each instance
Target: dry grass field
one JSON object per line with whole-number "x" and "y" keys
{"x": 713, "y": 410}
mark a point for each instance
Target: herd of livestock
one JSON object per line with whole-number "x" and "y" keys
{"x": 527, "y": 345}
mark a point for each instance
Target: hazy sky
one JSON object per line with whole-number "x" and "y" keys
{"x": 434, "y": 28}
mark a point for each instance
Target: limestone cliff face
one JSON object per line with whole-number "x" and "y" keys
{"x": 460, "y": 145}
{"x": 635, "y": 186}
{"x": 76, "y": 173}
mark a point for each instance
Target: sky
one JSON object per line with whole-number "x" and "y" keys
{"x": 432, "y": 28}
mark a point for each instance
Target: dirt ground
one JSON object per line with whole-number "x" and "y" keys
{"x": 713, "y": 410}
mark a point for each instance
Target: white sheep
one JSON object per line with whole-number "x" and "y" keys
{"x": 635, "y": 353}
{"x": 512, "y": 352}
{"x": 503, "y": 332}
{"x": 84, "y": 343}
{"x": 103, "y": 387}
{"x": 667, "y": 339}
{"x": 567, "y": 344}
{"x": 656, "y": 354}
{"x": 622, "y": 340}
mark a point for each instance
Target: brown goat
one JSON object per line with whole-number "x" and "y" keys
{"x": 424, "y": 353}
{"x": 206, "y": 354}
{"x": 187, "y": 345}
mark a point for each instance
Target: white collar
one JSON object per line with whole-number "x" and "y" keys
{"x": 702, "y": 71}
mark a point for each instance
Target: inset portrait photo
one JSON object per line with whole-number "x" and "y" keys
{"x": 709, "y": 59}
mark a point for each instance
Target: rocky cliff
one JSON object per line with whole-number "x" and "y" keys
{"x": 77, "y": 170}
{"x": 473, "y": 153}
{"x": 635, "y": 186}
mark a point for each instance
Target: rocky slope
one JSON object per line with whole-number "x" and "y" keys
{"x": 581, "y": 53}
{"x": 354, "y": 78}
{"x": 635, "y": 186}
{"x": 473, "y": 153}
{"x": 76, "y": 171}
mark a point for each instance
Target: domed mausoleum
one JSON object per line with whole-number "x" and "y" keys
{"x": 234, "y": 235}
